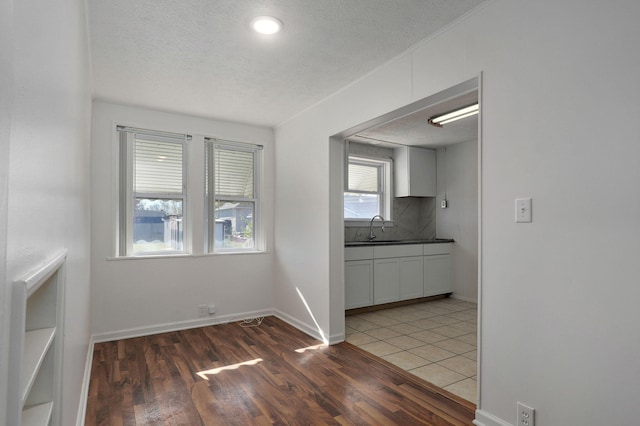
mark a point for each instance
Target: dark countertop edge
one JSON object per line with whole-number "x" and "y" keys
{"x": 392, "y": 243}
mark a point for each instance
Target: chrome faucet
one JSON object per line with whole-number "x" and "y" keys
{"x": 371, "y": 234}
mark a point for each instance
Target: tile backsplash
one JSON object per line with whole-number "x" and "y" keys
{"x": 413, "y": 218}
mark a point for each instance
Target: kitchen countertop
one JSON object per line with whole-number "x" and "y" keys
{"x": 396, "y": 242}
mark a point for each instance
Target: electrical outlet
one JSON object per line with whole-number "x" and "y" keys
{"x": 526, "y": 415}
{"x": 203, "y": 310}
{"x": 212, "y": 309}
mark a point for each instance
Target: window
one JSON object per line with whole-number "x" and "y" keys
{"x": 152, "y": 192}
{"x": 180, "y": 194}
{"x": 368, "y": 189}
{"x": 232, "y": 169}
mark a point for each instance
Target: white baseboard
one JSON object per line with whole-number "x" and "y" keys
{"x": 84, "y": 389}
{"x": 302, "y": 326}
{"x": 337, "y": 338}
{"x": 175, "y": 326}
{"x": 487, "y": 419}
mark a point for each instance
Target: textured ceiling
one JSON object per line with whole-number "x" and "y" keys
{"x": 199, "y": 57}
{"x": 413, "y": 129}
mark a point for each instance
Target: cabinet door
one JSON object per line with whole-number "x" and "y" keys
{"x": 386, "y": 281}
{"x": 358, "y": 284}
{"x": 411, "y": 278}
{"x": 437, "y": 275}
{"x": 415, "y": 172}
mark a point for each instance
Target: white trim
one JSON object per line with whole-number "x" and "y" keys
{"x": 176, "y": 326}
{"x": 480, "y": 303}
{"x": 302, "y": 326}
{"x": 84, "y": 389}
{"x": 337, "y": 338}
{"x": 484, "y": 418}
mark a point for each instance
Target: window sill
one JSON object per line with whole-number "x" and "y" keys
{"x": 185, "y": 255}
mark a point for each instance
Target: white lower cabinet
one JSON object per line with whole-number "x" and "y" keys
{"x": 385, "y": 274}
{"x": 437, "y": 274}
{"x": 386, "y": 280}
{"x": 358, "y": 283}
{"x": 411, "y": 277}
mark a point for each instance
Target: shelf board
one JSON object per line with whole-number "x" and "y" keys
{"x": 36, "y": 346}
{"x": 39, "y": 415}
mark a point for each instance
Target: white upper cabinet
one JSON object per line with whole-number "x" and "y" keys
{"x": 415, "y": 172}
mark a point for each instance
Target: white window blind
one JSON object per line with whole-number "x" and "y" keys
{"x": 157, "y": 167}
{"x": 233, "y": 173}
{"x": 232, "y": 170}
{"x": 364, "y": 178}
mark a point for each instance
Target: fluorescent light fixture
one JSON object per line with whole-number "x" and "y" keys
{"x": 452, "y": 116}
{"x": 266, "y": 25}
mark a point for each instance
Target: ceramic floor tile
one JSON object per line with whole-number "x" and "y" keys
{"x": 428, "y": 336}
{"x": 448, "y": 331}
{"x": 463, "y": 315}
{"x": 444, "y": 320}
{"x": 382, "y": 320}
{"x": 383, "y": 333}
{"x": 467, "y": 389}
{"x": 455, "y": 346}
{"x": 438, "y": 310}
{"x": 348, "y": 330}
{"x": 406, "y": 360}
{"x": 405, "y": 328}
{"x": 403, "y": 317}
{"x": 359, "y": 339}
{"x": 425, "y": 324}
{"x": 360, "y": 324}
{"x": 473, "y": 355}
{"x": 432, "y": 353}
{"x": 380, "y": 348}
{"x": 453, "y": 307}
{"x": 461, "y": 365}
{"x": 425, "y": 339}
{"x": 405, "y": 342}
{"x": 437, "y": 374}
{"x": 471, "y": 338}
{"x": 467, "y": 327}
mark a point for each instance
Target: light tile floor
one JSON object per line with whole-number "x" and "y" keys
{"x": 434, "y": 340}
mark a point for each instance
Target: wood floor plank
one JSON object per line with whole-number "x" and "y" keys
{"x": 266, "y": 375}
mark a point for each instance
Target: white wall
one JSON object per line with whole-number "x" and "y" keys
{"x": 142, "y": 296}
{"x": 46, "y": 152}
{"x": 457, "y": 169}
{"x": 559, "y": 295}
{"x": 6, "y": 98}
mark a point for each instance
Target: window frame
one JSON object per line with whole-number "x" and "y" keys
{"x": 127, "y": 195}
{"x": 211, "y": 197}
{"x": 385, "y": 186}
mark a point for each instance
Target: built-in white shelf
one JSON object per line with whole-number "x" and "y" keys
{"x": 37, "y": 415}
{"x": 35, "y": 350}
{"x": 36, "y": 346}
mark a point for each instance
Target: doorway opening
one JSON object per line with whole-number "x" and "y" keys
{"x": 431, "y": 332}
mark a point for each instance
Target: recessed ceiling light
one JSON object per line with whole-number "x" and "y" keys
{"x": 266, "y": 25}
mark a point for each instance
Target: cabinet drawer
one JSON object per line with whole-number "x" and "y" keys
{"x": 382, "y": 252}
{"x": 438, "y": 248}
{"x": 358, "y": 253}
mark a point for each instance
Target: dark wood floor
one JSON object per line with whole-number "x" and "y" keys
{"x": 271, "y": 374}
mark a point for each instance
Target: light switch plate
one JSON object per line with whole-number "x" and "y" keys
{"x": 523, "y": 210}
